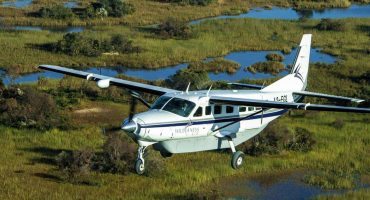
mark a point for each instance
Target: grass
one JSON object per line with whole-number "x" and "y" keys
{"x": 27, "y": 170}
{"x": 214, "y": 38}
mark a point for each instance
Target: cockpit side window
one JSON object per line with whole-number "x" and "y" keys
{"x": 160, "y": 102}
{"x": 208, "y": 110}
{"x": 179, "y": 106}
{"x": 199, "y": 112}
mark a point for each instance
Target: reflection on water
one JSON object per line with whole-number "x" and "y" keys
{"x": 244, "y": 58}
{"x": 288, "y": 185}
{"x": 69, "y": 29}
{"x": 354, "y": 11}
{"x": 71, "y": 4}
{"x": 17, "y": 3}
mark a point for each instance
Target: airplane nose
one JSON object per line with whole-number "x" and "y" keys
{"x": 129, "y": 126}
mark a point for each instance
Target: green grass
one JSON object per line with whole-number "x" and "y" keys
{"x": 26, "y": 173}
{"x": 214, "y": 38}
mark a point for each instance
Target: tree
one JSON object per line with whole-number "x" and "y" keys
{"x": 117, "y": 8}
{"x": 180, "y": 80}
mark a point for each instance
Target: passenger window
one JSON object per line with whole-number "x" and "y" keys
{"x": 208, "y": 110}
{"x": 199, "y": 112}
{"x": 250, "y": 108}
{"x": 242, "y": 109}
{"x": 217, "y": 110}
{"x": 229, "y": 109}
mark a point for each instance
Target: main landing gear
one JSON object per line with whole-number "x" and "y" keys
{"x": 140, "y": 162}
{"x": 237, "y": 157}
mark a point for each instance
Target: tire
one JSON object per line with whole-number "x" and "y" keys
{"x": 165, "y": 154}
{"x": 237, "y": 159}
{"x": 139, "y": 167}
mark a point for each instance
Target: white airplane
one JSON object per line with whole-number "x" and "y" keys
{"x": 192, "y": 121}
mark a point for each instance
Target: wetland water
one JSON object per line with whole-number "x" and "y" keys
{"x": 275, "y": 186}
{"x": 244, "y": 58}
{"x": 354, "y": 11}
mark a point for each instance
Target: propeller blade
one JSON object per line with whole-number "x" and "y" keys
{"x": 138, "y": 97}
{"x": 132, "y": 108}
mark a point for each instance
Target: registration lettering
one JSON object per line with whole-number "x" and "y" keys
{"x": 282, "y": 98}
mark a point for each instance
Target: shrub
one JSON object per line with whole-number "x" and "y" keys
{"x": 216, "y": 65}
{"x": 77, "y": 44}
{"x": 180, "y": 80}
{"x": 271, "y": 67}
{"x": 338, "y": 124}
{"x": 118, "y": 155}
{"x": 115, "y": 8}
{"x": 76, "y": 163}
{"x": 330, "y": 25}
{"x": 27, "y": 107}
{"x": 276, "y": 138}
{"x": 275, "y": 57}
{"x": 56, "y": 12}
{"x": 302, "y": 140}
{"x": 172, "y": 28}
{"x": 189, "y": 2}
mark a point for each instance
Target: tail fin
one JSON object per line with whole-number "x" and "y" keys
{"x": 297, "y": 79}
{"x": 301, "y": 62}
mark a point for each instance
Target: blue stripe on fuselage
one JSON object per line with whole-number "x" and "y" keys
{"x": 221, "y": 120}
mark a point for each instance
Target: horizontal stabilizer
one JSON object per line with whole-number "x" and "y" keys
{"x": 327, "y": 96}
{"x": 247, "y": 85}
{"x": 285, "y": 105}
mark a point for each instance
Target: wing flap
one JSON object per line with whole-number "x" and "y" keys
{"x": 247, "y": 85}
{"x": 286, "y": 105}
{"x": 114, "y": 81}
{"x": 327, "y": 96}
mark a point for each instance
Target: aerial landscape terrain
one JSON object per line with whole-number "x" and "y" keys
{"x": 59, "y": 135}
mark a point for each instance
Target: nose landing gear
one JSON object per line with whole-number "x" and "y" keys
{"x": 140, "y": 162}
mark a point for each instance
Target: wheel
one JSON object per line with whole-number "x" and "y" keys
{"x": 139, "y": 167}
{"x": 237, "y": 159}
{"x": 165, "y": 154}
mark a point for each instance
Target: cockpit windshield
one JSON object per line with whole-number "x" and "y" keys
{"x": 180, "y": 107}
{"x": 159, "y": 103}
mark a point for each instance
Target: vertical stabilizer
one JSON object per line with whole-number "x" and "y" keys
{"x": 297, "y": 79}
{"x": 301, "y": 63}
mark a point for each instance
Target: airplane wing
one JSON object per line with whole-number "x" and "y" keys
{"x": 252, "y": 86}
{"x": 110, "y": 80}
{"x": 285, "y": 105}
{"x": 327, "y": 96}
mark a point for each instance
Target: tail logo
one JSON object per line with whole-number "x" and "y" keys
{"x": 297, "y": 73}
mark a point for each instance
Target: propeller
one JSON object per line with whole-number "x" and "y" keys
{"x": 136, "y": 96}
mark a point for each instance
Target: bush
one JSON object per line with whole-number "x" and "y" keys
{"x": 76, "y": 44}
{"x": 56, "y": 12}
{"x": 330, "y": 25}
{"x": 75, "y": 164}
{"x": 275, "y": 57}
{"x": 216, "y": 65}
{"x": 118, "y": 156}
{"x": 271, "y": 67}
{"x": 189, "y": 2}
{"x": 302, "y": 140}
{"x": 338, "y": 124}
{"x": 276, "y": 138}
{"x": 29, "y": 108}
{"x": 174, "y": 29}
{"x": 116, "y": 8}
{"x": 180, "y": 80}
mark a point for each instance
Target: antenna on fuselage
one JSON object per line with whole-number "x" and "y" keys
{"x": 187, "y": 89}
{"x": 209, "y": 90}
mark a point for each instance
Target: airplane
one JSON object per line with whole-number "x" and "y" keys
{"x": 193, "y": 121}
